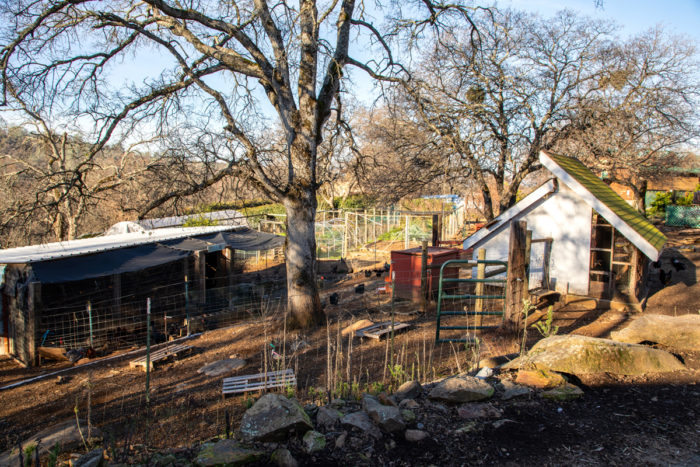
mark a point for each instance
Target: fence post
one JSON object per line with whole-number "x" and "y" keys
{"x": 89, "y": 311}
{"x": 148, "y": 350}
{"x": 436, "y": 237}
{"x": 517, "y": 276}
{"x": 187, "y": 305}
{"x": 364, "y": 215}
{"x": 345, "y": 237}
{"x": 374, "y": 225}
{"x": 405, "y": 234}
{"x": 32, "y": 324}
{"x": 480, "y": 274}
{"x": 424, "y": 276}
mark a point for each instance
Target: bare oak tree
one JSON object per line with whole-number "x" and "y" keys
{"x": 222, "y": 60}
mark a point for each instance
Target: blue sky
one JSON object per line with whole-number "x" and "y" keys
{"x": 634, "y": 16}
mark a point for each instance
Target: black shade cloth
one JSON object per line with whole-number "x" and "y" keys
{"x": 136, "y": 258}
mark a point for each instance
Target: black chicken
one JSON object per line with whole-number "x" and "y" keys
{"x": 334, "y": 298}
{"x": 360, "y": 288}
{"x": 677, "y": 264}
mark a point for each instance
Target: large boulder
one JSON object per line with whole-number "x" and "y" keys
{"x": 273, "y": 417}
{"x": 461, "y": 388}
{"x": 226, "y": 452}
{"x": 387, "y": 417}
{"x": 677, "y": 332}
{"x": 408, "y": 390}
{"x": 362, "y": 422}
{"x": 582, "y": 355}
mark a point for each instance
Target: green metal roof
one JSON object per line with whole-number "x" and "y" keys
{"x": 612, "y": 200}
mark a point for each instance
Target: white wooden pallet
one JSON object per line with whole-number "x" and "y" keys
{"x": 376, "y": 331}
{"x": 160, "y": 355}
{"x": 271, "y": 379}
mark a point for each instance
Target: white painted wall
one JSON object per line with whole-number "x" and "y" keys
{"x": 564, "y": 217}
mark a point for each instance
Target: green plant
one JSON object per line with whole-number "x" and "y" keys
{"x": 200, "y": 221}
{"x": 290, "y": 391}
{"x": 545, "y": 327}
{"x": 53, "y": 455}
{"x": 29, "y": 454}
{"x": 248, "y": 402}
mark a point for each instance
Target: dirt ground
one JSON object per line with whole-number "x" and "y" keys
{"x": 620, "y": 420}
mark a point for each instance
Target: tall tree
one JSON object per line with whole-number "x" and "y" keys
{"x": 221, "y": 59}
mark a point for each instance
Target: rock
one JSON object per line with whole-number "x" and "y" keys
{"x": 541, "y": 379}
{"x": 485, "y": 372}
{"x": 163, "y": 460}
{"x": 409, "y": 404}
{"x": 415, "y": 436}
{"x": 461, "y": 388}
{"x": 499, "y": 423}
{"x": 94, "y": 458}
{"x": 408, "y": 416}
{"x": 327, "y": 417}
{"x": 337, "y": 403}
{"x": 496, "y": 362}
{"x": 340, "y": 440}
{"x": 361, "y": 421}
{"x": 283, "y": 458}
{"x": 66, "y": 434}
{"x": 311, "y": 409}
{"x": 387, "y": 417}
{"x": 226, "y": 452}
{"x": 313, "y": 441}
{"x": 222, "y": 367}
{"x": 563, "y": 393}
{"x": 273, "y": 417}
{"x": 468, "y": 428}
{"x": 677, "y": 332}
{"x": 581, "y": 355}
{"x": 479, "y": 410}
{"x": 363, "y": 323}
{"x": 408, "y": 390}
{"x": 512, "y": 390}
{"x": 385, "y": 400}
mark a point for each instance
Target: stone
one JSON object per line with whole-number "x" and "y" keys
{"x": 313, "y": 441}
{"x": 94, "y": 458}
{"x": 408, "y": 390}
{"x": 337, "y": 403}
{"x": 541, "y": 379}
{"x": 582, "y": 355}
{"x": 408, "y": 416}
{"x": 327, "y": 417}
{"x": 415, "y": 436}
{"x": 362, "y": 422}
{"x": 387, "y": 417}
{"x": 283, "y": 458}
{"x": 274, "y": 417}
{"x": 512, "y": 390}
{"x": 340, "y": 440}
{"x": 222, "y": 367}
{"x": 468, "y": 428}
{"x": 677, "y": 332}
{"x": 461, "y": 388}
{"x": 563, "y": 393}
{"x": 496, "y": 362}
{"x": 478, "y": 410}
{"x": 66, "y": 434}
{"x": 163, "y": 460}
{"x": 226, "y": 452}
{"x": 409, "y": 404}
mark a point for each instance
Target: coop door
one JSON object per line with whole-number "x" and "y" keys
{"x": 612, "y": 256}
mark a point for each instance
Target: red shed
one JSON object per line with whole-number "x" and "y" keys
{"x": 406, "y": 264}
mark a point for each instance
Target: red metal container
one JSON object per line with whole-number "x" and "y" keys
{"x": 406, "y": 270}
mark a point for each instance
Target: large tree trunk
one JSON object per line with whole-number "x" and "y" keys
{"x": 303, "y": 302}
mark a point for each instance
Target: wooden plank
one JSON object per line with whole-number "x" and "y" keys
{"x": 53, "y": 353}
{"x": 160, "y": 355}
{"x": 377, "y": 330}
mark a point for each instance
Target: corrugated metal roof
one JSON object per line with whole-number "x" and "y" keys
{"x": 601, "y": 191}
{"x": 57, "y": 250}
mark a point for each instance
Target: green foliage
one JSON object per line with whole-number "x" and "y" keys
{"x": 29, "y": 450}
{"x": 375, "y": 388}
{"x": 354, "y": 202}
{"x": 658, "y": 206}
{"x": 200, "y": 221}
{"x": 545, "y": 328}
{"x": 53, "y": 455}
{"x": 394, "y": 234}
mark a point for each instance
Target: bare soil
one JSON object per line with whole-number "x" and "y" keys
{"x": 649, "y": 420}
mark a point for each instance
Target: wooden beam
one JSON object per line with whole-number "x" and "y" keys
{"x": 32, "y": 324}
{"x": 424, "y": 292}
{"x": 480, "y": 274}
{"x": 436, "y": 235}
{"x": 516, "y": 286}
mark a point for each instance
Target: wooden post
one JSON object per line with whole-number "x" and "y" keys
{"x": 436, "y": 236}
{"x": 517, "y": 274}
{"x": 32, "y": 324}
{"x": 228, "y": 254}
{"x": 364, "y": 215}
{"x": 344, "y": 252}
{"x": 374, "y": 225}
{"x": 528, "y": 251}
{"x": 545, "y": 265}
{"x": 424, "y": 292}
{"x": 405, "y": 232}
{"x": 200, "y": 275}
{"x": 480, "y": 274}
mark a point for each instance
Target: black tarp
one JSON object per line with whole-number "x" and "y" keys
{"x": 141, "y": 257}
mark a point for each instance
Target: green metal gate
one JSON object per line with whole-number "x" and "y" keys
{"x": 443, "y": 296}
